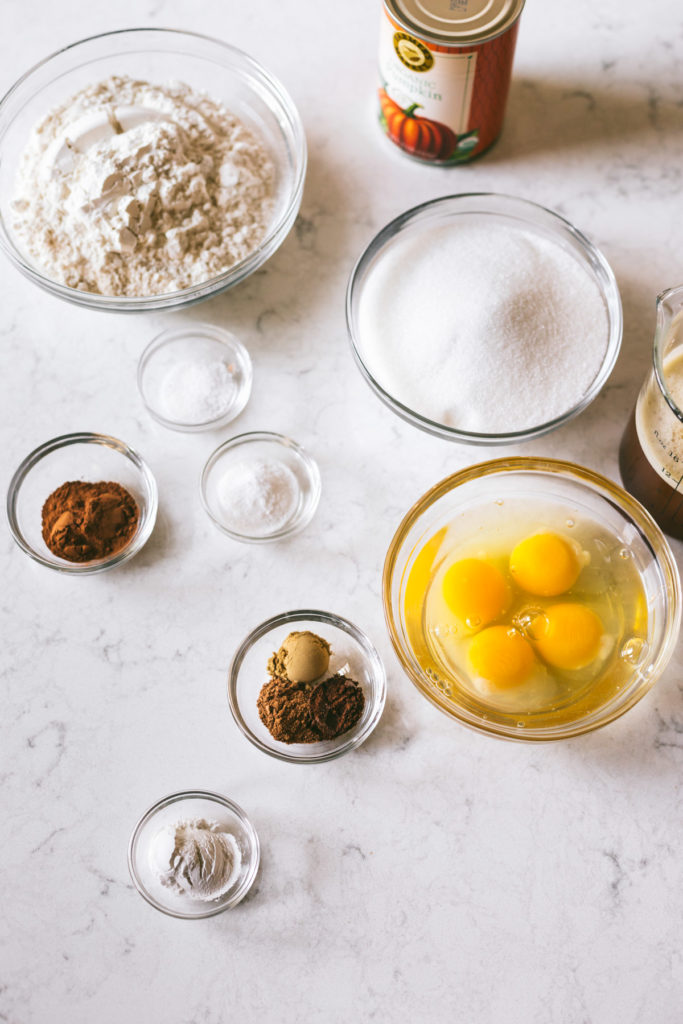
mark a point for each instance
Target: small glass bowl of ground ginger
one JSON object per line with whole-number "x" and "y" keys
{"x": 82, "y": 503}
{"x": 306, "y": 720}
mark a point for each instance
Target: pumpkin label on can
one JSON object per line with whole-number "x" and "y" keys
{"x": 443, "y": 96}
{"x": 426, "y": 97}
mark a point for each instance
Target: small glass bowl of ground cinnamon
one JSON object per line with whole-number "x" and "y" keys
{"x": 353, "y": 658}
{"x": 82, "y": 503}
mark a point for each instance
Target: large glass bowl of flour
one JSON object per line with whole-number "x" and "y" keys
{"x": 484, "y": 318}
{"x": 162, "y": 57}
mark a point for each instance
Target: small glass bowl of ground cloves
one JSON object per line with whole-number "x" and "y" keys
{"x": 82, "y": 503}
{"x": 306, "y": 687}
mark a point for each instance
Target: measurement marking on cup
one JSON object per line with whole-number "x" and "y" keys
{"x": 665, "y": 472}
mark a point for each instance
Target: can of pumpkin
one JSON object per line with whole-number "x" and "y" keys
{"x": 445, "y": 68}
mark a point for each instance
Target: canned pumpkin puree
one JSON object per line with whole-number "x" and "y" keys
{"x": 445, "y": 68}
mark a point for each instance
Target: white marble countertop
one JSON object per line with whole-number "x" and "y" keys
{"x": 434, "y": 874}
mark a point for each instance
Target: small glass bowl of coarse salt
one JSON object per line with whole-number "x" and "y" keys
{"x": 195, "y": 377}
{"x": 260, "y": 486}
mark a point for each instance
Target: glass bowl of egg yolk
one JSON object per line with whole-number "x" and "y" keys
{"x": 531, "y": 598}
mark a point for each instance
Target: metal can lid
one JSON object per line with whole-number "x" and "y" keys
{"x": 458, "y": 22}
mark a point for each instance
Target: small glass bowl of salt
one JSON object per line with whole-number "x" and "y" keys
{"x": 195, "y": 377}
{"x": 260, "y": 486}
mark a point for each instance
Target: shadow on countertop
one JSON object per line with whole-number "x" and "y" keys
{"x": 555, "y": 114}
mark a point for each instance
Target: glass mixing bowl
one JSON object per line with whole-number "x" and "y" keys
{"x": 489, "y": 494}
{"x": 486, "y": 208}
{"x": 157, "y": 55}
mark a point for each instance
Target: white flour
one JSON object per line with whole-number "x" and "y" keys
{"x": 138, "y": 189}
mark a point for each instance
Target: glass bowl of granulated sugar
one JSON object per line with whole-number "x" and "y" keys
{"x": 484, "y": 318}
{"x": 147, "y": 169}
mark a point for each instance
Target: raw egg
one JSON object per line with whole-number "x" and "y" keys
{"x": 502, "y": 656}
{"x": 545, "y": 564}
{"x": 475, "y": 591}
{"x": 568, "y": 636}
{"x": 522, "y": 608}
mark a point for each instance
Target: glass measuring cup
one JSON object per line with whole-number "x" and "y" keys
{"x": 651, "y": 450}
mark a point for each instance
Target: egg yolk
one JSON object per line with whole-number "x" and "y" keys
{"x": 544, "y": 564}
{"x": 568, "y": 635}
{"x": 501, "y": 655}
{"x": 420, "y": 573}
{"x": 475, "y": 591}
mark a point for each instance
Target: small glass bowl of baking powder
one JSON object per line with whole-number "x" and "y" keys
{"x": 82, "y": 456}
{"x": 195, "y": 377}
{"x": 260, "y": 487}
{"x": 192, "y": 806}
{"x": 352, "y": 655}
{"x": 161, "y": 56}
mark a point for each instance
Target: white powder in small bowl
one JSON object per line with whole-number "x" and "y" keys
{"x": 198, "y": 858}
{"x": 258, "y": 496}
{"x": 193, "y": 392}
{"x": 484, "y": 328}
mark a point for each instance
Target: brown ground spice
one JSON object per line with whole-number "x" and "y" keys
{"x": 300, "y": 713}
{"x": 84, "y": 521}
{"x": 285, "y": 711}
{"x": 336, "y": 705}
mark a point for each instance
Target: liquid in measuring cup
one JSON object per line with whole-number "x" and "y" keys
{"x": 651, "y": 451}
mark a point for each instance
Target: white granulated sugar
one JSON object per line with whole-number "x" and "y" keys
{"x": 137, "y": 189}
{"x": 192, "y": 392}
{"x": 484, "y": 328}
{"x": 259, "y": 496}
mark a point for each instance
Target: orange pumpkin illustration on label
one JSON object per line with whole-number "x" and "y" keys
{"x": 420, "y": 136}
{"x": 444, "y": 75}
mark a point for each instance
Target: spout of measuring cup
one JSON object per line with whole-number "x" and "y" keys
{"x": 668, "y": 340}
{"x": 669, "y": 306}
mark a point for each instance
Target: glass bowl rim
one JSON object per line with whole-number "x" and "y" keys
{"x": 216, "y": 333}
{"x": 608, "y": 491}
{"x": 270, "y": 436}
{"x": 64, "y": 441}
{"x": 370, "y": 653}
{"x": 213, "y": 285}
{"x": 557, "y": 224}
{"x": 245, "y": 821}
